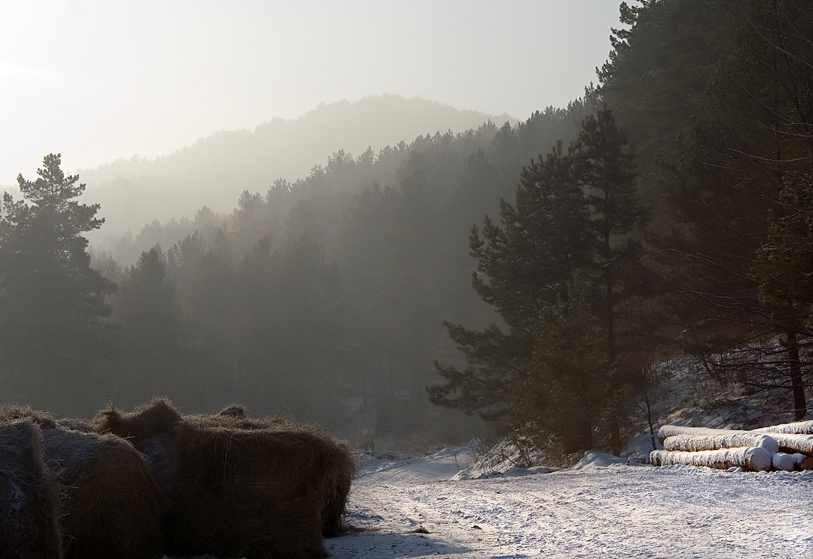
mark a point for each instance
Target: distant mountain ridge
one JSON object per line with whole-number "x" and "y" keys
{"x": 216, "y": 169}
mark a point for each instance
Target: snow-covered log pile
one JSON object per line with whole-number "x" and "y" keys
{"x": 782, "y": 447}
{"x": 797, "y": 428}
{"x": 755, "y": 459}
{"x": 695, "y": 439}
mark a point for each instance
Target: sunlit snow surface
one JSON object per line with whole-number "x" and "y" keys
{"x": 601, "y": 509}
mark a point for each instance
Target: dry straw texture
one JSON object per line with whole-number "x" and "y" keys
{"x": 256, "y": 488}
{"x": 112, "y": 505}
{"x": 44, "y": 419}
{"x": 151, "y": 430}
{"x": 341, "y": 468}
{"x": 253, "y": 493}
{"x": 17, "y": 412}
{"x": 29, "y": 526}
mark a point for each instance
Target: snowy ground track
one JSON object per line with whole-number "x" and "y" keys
{"x": 610, "y": 511}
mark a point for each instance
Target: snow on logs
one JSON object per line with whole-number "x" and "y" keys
{"x": 783, "y": 461}
{"x": 792, "y": 437}
{"x": 794, "y": 443}
{"x": 796, "y": 428}
{"x": 782, "y": 447}
{"x": 754, "y": 459}
{"x": 712, "y": 439}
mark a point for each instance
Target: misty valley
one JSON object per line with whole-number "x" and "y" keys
{"x": 555, "y": 288}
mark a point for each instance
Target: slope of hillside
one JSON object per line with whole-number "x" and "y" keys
{"x": 215, "y": 170}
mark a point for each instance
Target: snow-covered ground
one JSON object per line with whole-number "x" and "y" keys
{"x": 412, "y": 507}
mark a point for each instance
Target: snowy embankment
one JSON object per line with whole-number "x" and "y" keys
{"x": 411, "y": 507}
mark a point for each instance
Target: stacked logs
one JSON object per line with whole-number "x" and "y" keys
{"x": 143, "y": 484}
{"x": 784, "y": 447}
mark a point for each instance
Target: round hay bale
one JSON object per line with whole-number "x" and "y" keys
{"x": 150, "y": 428}
{"x": 111, "y": 503}
{"x": 180, "y": 453}
{"x": 29, "y": 527}
{"x": 44, "y": 419}
{"x": 156, "y": 417}
{"x": 255, "y": 493}
{"x": 342, "y": 469}
{"x": 14, "y": 412}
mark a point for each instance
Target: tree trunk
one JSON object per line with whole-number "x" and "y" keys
{"x": 608, "y": 288}
{"x": 796, "y": 381}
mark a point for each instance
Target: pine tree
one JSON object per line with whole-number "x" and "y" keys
{"x": 662, "y": 60}
{"x": 750, "y": 152}
{"x": 783, "y": 266}
{"x": 559, "y": 260}
{"x": 605, "y": 164}
{"x": 54, "y": 333}
{"x": 209, "y": 301}
{"x": 154, "y": 359}
{"x": 570, "y": 386}
{"x": 525, "y": 267}
{"x": 303, "y": 292}
{"x": 605, "y": 169}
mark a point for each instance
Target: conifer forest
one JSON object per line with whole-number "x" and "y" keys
{"x": 520, "y": 278}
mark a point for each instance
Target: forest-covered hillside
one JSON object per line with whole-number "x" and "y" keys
{"x": 214, "y": 170}
{"x": 529, "y": 274}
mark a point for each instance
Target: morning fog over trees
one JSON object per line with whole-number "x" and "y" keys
{"x": 522, "y": 279}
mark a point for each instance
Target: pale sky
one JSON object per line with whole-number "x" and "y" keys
{"x": 99, "y": 80}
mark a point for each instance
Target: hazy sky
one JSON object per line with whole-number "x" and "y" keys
{"x": 101, "y": 79}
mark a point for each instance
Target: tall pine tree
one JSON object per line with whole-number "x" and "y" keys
{"x": 730, "y": 201}
{"x": 551, "y": 269}
{"x": 54, "y": 337}
{"x": 155, "y": 359}
{"x": 525, "y": 267}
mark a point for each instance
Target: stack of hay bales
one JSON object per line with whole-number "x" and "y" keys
{"x": 238, "y": 486}
{"x": 782, "y": 447}
{"x": 141, "y": 484}
{"x": 109, "y": 502}
{"x": 29, "y": 511}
